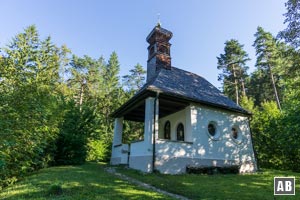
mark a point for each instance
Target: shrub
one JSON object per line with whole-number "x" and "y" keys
{"x": 55, "y": 189}
{"x": 97, "y": 150}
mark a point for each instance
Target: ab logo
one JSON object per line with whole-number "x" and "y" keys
{"x": 284, "y": 185}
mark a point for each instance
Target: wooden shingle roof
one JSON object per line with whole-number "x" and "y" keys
{"x": 181, "y": 85}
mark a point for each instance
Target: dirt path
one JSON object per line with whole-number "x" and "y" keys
{"x": 112, "y": 170}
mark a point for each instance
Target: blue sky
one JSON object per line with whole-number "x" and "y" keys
{"x": 95, "y": 28}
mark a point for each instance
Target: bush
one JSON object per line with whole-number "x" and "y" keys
{"x": 97, "y": 150}
{"x": 55, "y": 189}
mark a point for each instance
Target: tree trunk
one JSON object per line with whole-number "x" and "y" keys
{"x": 275, "y": 90}
{"x": 81, "y": 97}
{"x": 236, "y": 85}
{"x": 243, "y": 87}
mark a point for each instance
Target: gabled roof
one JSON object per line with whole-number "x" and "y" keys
{"x": 183, "y": 85}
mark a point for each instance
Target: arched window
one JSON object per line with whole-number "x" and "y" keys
{"x": 167, "y": 130}
{"x": 180, "y": 132}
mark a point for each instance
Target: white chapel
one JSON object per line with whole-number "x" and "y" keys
{"x": 187, "y": 121}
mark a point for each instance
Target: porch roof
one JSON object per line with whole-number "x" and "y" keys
{"x": 177, "y": 88}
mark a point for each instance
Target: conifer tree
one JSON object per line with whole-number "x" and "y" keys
{"x": 136, "y": 79}
{"x": 30, "y": 110}
{"x": 234, "y": 69}
{"x": 292, "y": 33}
{"x": 268, "y": 58}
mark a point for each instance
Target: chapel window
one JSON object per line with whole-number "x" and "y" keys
{"x": 180, "y": 132}
{"x": 167, "y": 130}
{"x": 234, "y": 133}
{"x": 211, "y": 129}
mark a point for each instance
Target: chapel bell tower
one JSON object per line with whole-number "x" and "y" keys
{"x": 158, "y": 51}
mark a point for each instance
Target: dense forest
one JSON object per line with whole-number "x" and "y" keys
{"x": 271, "y": 92}
{"x": 55, "y": 106}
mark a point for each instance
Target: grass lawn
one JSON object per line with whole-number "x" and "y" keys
{"x": 88, "y": 181}
{"x": 250, "y": 186}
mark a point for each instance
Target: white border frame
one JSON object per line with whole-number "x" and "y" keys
{"x": 284, "y": 177}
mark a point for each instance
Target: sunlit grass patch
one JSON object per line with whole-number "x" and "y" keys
{"x": 88, "y": 181}
{"x": 230, "y": 186}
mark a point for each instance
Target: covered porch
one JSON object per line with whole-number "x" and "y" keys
{"x": 148, "y": 108}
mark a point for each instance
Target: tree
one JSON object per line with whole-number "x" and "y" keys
{"x": 89, "y": 91}
{"x": 292, "y": 33}
{"x": 111, "y": 73}
{"x": 136, "y": 79}
{"x": 267, "y": 137}
{"x": 30, "y": 103}
{"x": 85, "y": 78}
{"x": 133, "y": 82}
{"x": 72, "y": 138}
{"x": 112, "y": 96}
{"x": 268, "y": 57}
{"x": 260, "y": 87}
{"x": 234, "y": 69}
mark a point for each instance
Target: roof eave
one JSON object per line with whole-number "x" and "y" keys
{"x": 152, "y": 90}
{"x": 242, "y": 111}
{"x": 132, "y": 101}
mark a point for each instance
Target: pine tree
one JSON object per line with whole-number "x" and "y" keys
{"x": 136, "y": 79}
{"x": 234, "y": 69}
{"x": 292, "y": 33}
{"x": 268, "y": 58}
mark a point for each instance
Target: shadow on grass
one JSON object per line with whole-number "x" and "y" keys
{"x": 88, "y": 181}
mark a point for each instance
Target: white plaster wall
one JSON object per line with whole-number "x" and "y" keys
{"x": 141, "y": 148}
{"x": 169, "y": 155}
{"x": 120, "y": 154}
{"x": 172, "y": 157}
{"x": 118, "y": 131}
{"x": 144, "y": 147}
{"x": 124, "y": 153}
{"x": 116, "y": 155}
{"x": 183, "y": 117}
{"x": 224, "y": 146}
{"x": 141, "y": 153}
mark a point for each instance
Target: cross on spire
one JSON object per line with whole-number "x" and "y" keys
{"x": 158, "y": 20}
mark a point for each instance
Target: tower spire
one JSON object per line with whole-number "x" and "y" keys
{"x": 158, "y": 20}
